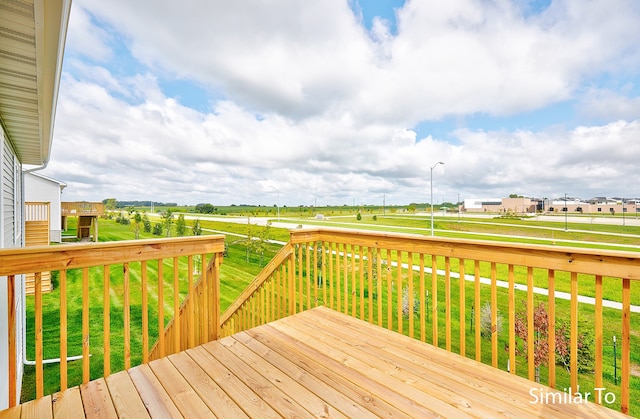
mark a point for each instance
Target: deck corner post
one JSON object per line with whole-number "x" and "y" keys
{"x": 214, "y": 281}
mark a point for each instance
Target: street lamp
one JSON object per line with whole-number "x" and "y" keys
{"x": 278, "y": 202}
{"x": 432, "y": 167}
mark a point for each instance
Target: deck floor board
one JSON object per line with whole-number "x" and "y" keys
{"x": 318, "y": 363}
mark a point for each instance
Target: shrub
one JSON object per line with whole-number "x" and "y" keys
{"x": 486, "y": 327}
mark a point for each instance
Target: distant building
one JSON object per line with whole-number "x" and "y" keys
{"x": 596, "y": 205}
{"x": 43, "y": 189}
{"x": 500, "y": 205}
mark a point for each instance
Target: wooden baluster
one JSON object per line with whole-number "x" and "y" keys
{"x": 462, "y": 305}
{"x": 161, "y": 352}
{"x": 598, "y": 336}
{"x": 447, "y": 296}
{"x": 106, "y": 319}
{"x": 176, "y": 306}
{"x": 389, "y": 292}
{"x": 324, "y": 274}
{"x": 204, "y": 286}
{"x": 477, "y": 310}
{"x": 263, "y": 304}
{"x": 399, "y": 290}
{"x": 272, "y": 304}
{"x": 626, "y": 345}
{"x": 370, "y": 283}
{"x": 379, "y": 284}
{"x": 423, "y": 307}
{"x": 551, "y": 298}
{"x": 512, "y": 320}
{"x": 145, "y": 312}
{"x": 191, "y": 315}
{"x": 573, "y": 334}
{"x": 314, "y": 278}
{"x": 63, "y": 331}
{"x": 494, "y": 316}
{"x": 361, "y": 280}
{"x": 279, "y": 291}
{"x": 345, "y": 278}
{"x": 127, "y": 315}
{"x": 531, "y": 337}
{"x": 291, "y": 285}
{"x": 434, "y": 300}
{"x": 331, "y": 281}
{"x": 85, "y": 326}
{"x": 309, "y": 275}
{"x": 338, "y": 278}
{"x": 353, "y": 282}
{"x": 410, "y": 284}
{"x": 300, "y": 279}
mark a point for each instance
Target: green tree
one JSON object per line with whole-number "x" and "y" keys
{"x": 181, "y": 226}
{"x": 146, "y": 223}
{"x": 167, "y": 221}
{"x": 262, "y": 241}
{"x": 109, "y": 203}
{"x": 196, "y": 228}
{"x": 137, "y": 220}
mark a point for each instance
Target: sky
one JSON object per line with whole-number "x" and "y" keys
{"x": 290, "y": 102}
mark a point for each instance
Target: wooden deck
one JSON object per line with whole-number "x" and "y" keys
{"x": 317, "y": 363}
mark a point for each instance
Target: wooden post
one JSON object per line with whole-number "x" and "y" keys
{"x": 214, "y": 276}
{"x": 13, "y": 377}
{"x": 85, "y": 326}
{"x": 106, "y": 320}
{"x": 39, "y": 339}
{"x": 626, "y": 345}
{"x": 63, "y": 330}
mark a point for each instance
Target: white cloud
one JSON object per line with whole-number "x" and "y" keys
{"x": 316, "y": 105}
{"x": 610, "y": 104}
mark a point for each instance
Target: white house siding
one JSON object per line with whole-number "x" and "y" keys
{"x": 42, "y": 189}
{"x": 11, "y": 235}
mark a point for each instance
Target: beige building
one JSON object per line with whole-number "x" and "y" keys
{"x": 595, "y": 206}
{"x": 500, "y": 205}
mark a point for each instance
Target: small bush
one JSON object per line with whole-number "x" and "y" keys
{"x": 486, "y": 327}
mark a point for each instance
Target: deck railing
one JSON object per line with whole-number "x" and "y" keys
{"x": 450, "y": 293}
{"x": 411, "y": 284}
{"x": 140, "y": 283}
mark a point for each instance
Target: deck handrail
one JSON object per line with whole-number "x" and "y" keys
{"x": 100, "y": 264}
{"x": 336, "y": 267}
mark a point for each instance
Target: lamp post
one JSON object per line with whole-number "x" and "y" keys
{"x": 278, "y": 202}
{"x": 432, "y": 167}
{"x": 566, "y": 213}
